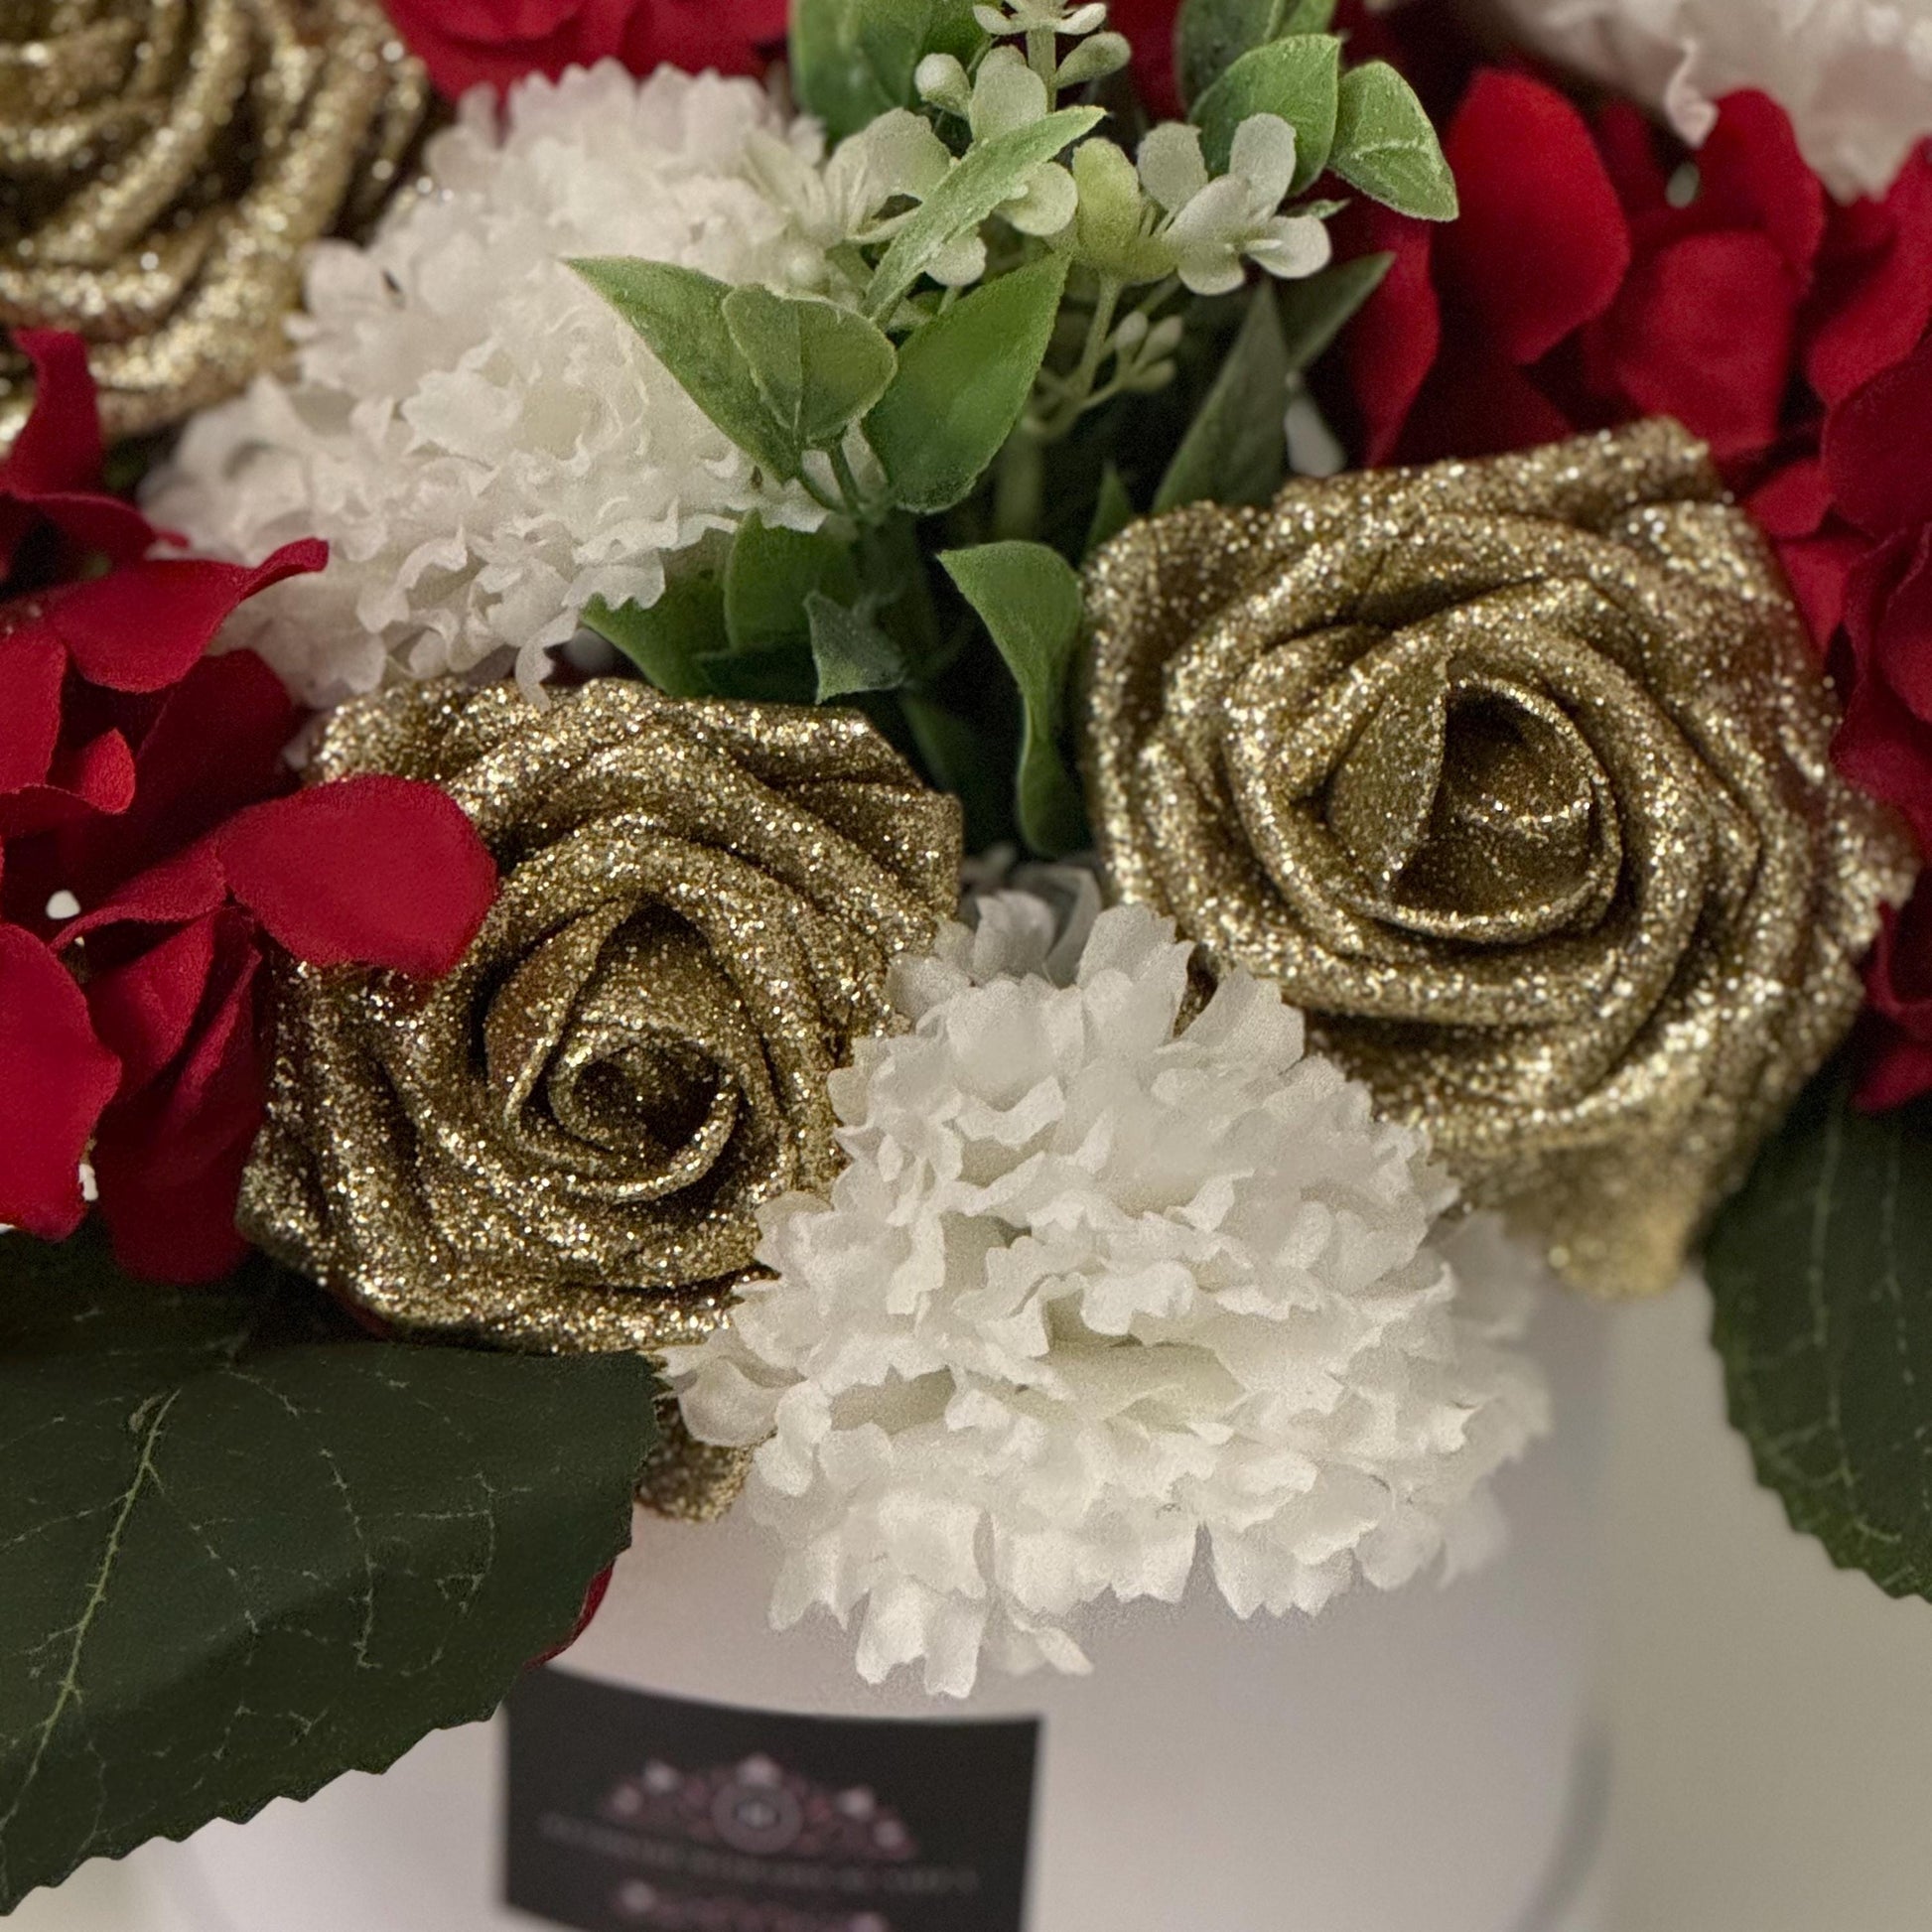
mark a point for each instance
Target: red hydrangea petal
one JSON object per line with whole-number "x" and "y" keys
{"x": 1819, "y": 569}
{"x": 214, "y": 745}
{"x": 1626, "y": 138}
{"x": 732, "y": 36}
{"x": 1885, "y": 305}
{"x": 1750, "y": 175}
{"x": 53, "y": 467}
{"x": 1477, "y": 404}
{"x": 369, "y": 870}
{"x": 1874, "y": 448}
{"x": 1899, "y": 981}
{"x": 142, "y": 1011}
{"x": 1150, "y": 26}
{"x": 93, "y": 781}
{"x": 1703, "y": 331}
{"x": 1539, "y": 248}
{"x": 189, "y": 886}
{"x": 1393, "y": 341}
{"x": 1882, "y": 748}
{"x": 33, "y": 668}
{"x": 1900, "y": 1071}
{"x": 56, "y": 1077}
{"x": 169, "y": 1160}
{"x": 142, "y": 627}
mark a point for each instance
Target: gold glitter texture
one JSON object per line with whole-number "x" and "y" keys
{"x": 561, "y": 1144}
{"x": 164, "y": 164}
{"x": 1515, "y": 774}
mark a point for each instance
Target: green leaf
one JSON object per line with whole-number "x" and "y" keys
{"x": 681, "y": 314}
{"x": 963, "y": 383}
{"x": 1315, "y": 310}
{"x": 852, "y": 654}
{"x": 1236, "y": 448}
{"x": 1211, "y": 34}
{"x": 1113, "y": 509}
{"x": 670, "y": 641}
{"x": 993, "y": 171}
{"x": 770, "y": 574}
{"x": 1386, "y": 147}
{"x": 1029, "y": 599}
{"x": 247, "y": 1548}
{"x": 818, "y": 367}
{"x": 1299, "y": 78}
{"x": 1822, "y": 1273}
{"x": 853, "y": 61}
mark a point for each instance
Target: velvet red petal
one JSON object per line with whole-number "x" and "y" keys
{"x": 1392, "y": 343}
{"x": 32, "y": 670}
{"x": 53, "y": 467}
{"x": 187, "y": 886}
{"x": 1875, "y": 447}
{"x": 1541, "y": 247}
{"x": 1750, "y": 175}
{"x": 56, "y": 1077}
{"x": 94, "y": 781}
{"x": 169, "y": 1160}
{"x": 1886, "y": 303}
{"x": 1900, "y": 980}
{"x": 142, "y": 1011}
{"x": 371, "y": 871}
{"x": 141, "y": 628}
{"x": 1703, "y": 331}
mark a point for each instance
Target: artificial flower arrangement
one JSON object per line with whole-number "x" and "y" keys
{"x": 519, "y": 988}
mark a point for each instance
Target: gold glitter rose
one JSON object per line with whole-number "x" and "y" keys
{"x": 563, "y": 1144}
{"x": 164, "y": 166}
{"x": 1515, "y": 774}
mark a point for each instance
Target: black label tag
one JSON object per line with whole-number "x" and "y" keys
{"x": 635, "y": 1813}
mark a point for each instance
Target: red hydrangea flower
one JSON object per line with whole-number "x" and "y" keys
{"x": 371, "y": 871}
{"x": 470, "y": 43}
{"x": 1582, "y": 292}
{"x": 147, "y": 780}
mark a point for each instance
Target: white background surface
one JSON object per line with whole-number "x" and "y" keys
{"x": 1772, "y": 1717}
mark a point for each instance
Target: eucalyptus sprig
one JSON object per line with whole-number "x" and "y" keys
{"x": 989, "y": 274}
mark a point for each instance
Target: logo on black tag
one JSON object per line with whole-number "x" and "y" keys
{"x": 635, "y": 1813}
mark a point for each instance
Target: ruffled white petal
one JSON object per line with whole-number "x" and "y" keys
{"x": 1109, "y": 1288}
{"x": 484, "y": 444}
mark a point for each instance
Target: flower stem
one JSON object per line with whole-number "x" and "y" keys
{"x": 1073, "y": 392}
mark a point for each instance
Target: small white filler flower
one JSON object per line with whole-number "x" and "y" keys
{"x": 1105, "y": 1284}
{"x": 1217, "y": 222}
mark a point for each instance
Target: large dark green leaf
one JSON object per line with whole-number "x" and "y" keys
{"x": 1822, "y": 1271}
{"x": 246, "y": 1549}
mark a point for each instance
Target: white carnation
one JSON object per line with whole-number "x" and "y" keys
{"x": 484, "y": 442}
{"x": 1855, "y": 76}
{"x": 1097, "y": 1285}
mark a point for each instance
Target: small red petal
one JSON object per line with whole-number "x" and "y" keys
{"x": 369, "y": 870}
{"x": 142, "y": 1011}
{"x": 33, "y": 670}
{"x": 1392, "y": 343}
{"x": 141, "y": 628}
{"x": 189, "y": 886}
{"x": 56, "y": 1077}
{"x": 1874, "y": 448}
{"x": 1750, "y": 175}
{"x": 1539, "y": 249}
{"x": 95, "y": 781}
{"x": 1884, "y": 305}
{"x": 1703, "y": 331}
